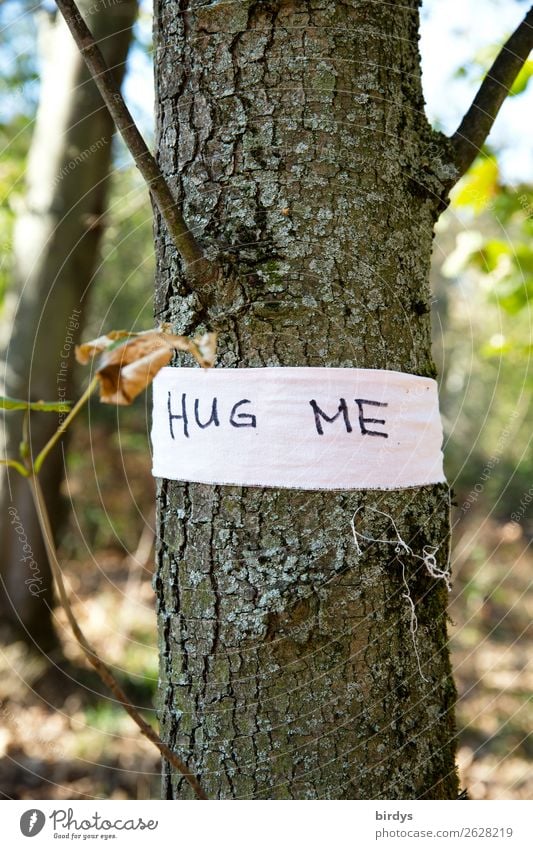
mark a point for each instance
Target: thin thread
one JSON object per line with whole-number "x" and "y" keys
{"x": 413, "y": 624}
{"x": 428, "y": 558}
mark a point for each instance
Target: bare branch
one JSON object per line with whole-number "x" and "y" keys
{"x": 476, "y": 124}
{"x": 185, "y": 242}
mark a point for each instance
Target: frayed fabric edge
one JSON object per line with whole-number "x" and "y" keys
{"x": 358, "y": 488}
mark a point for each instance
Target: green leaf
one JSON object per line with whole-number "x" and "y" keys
{"x": 522, "y": 79}
{"x": 479, "y": 186}
{"x": 491, "y": 254}
{"x": 39, "y": 406}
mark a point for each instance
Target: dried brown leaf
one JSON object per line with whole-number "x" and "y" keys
{"x": 89, "y": 350}
{"x": 126, "y": 368}
{"x": 207, "y": 345}
{"x": 120, "y": 384}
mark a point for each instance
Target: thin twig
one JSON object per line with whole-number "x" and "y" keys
{"x": 41, "y": 457}
{"x": 185, "y": 242}
{"x": 96, "y": 662}
{"x": 14, "y": 464}
{"x": 476, "y": 124}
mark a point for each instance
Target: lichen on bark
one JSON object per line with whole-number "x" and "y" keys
{"x": 295, "y": 135}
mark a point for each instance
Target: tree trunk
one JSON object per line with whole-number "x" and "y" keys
{"x": 295, "y": 134}
{"x": 56, "y": 243}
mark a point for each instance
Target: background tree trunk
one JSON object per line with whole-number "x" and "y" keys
{"x": 295, "y": 134}
{"x": 56, "y": 243}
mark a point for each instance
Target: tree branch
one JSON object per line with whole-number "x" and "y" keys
{"x": 185, "y": 242}
{"x": 96, "y": 662}
{"x": 476, "y": 124}
{"x": 43, "y": 454}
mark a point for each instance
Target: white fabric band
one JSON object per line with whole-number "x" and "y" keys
{"x": 302, "y": 428}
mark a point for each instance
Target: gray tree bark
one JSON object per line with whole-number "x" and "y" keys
{"x": 296, "y": 136}
{"x": 56, "y": 243}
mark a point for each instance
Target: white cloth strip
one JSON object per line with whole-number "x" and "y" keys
{"x": 301, "y": 428}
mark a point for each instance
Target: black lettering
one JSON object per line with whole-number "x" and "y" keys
{"x": 364, "y": 421}
{"x": 321, "y": 414}
{"x": 252, "y": 419}
{"x": 214, "y": 414}
{"x": 172, "y": 416}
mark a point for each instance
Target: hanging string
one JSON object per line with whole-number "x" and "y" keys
{"x": 401, "y": 548}
{"x": 413, "y": 624}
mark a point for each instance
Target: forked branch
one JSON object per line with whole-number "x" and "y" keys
{"x": 476, "y": 124}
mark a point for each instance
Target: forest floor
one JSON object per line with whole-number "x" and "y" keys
{"x": 491, "y": 638}
{"x": 62, "y": 737}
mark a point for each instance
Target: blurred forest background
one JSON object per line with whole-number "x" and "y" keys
{"x": 60, "y": 736}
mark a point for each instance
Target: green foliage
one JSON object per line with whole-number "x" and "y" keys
{"x": 18, "y": 62}
{"x": 512, "y": 269}
{"x": 487, "y": 384}
{"x": 479, "y": 186}
{"x": 18, "y": 103}
{"x": 15, "y": 135}
{"x": 520, "y": 83}
{"x": 504, "y": 255}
